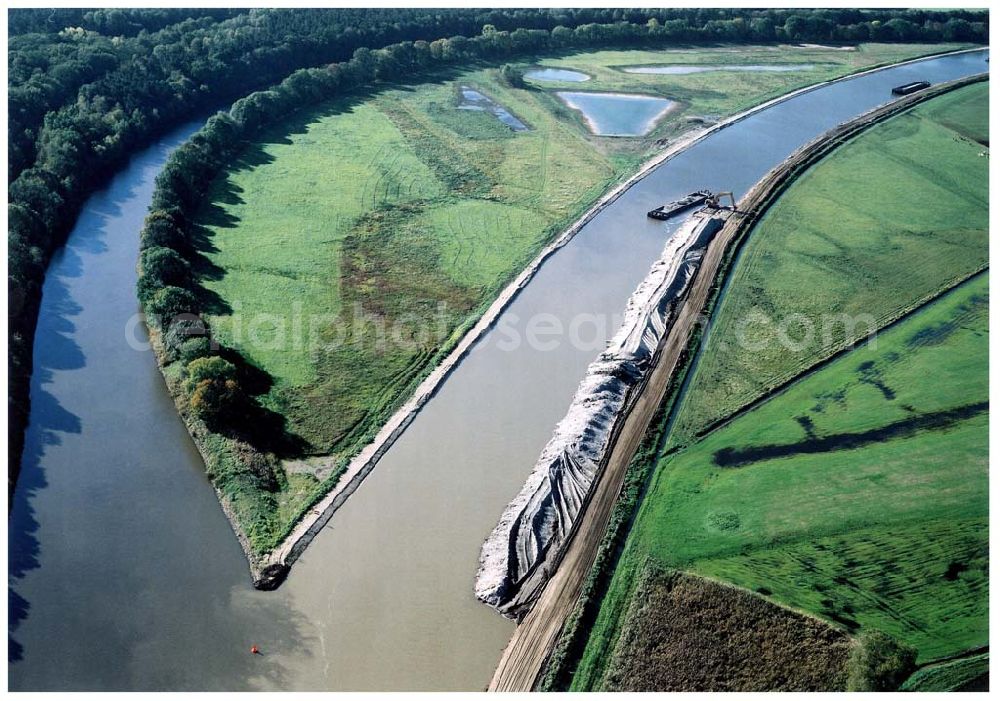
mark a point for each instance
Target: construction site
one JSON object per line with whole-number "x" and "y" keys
{"x": 573, "y": 536}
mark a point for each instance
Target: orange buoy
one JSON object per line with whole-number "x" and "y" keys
{"x": 254, "y": 650}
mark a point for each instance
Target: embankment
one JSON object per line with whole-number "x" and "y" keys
{"x": 528, "y": 541}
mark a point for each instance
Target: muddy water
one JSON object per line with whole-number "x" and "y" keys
{"x": 124, "y": 573}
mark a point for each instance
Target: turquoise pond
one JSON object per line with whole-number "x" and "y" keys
{"x": 686, "y": 70}
{"x": 557, "y": 75}
{"x": 617, "y": 114}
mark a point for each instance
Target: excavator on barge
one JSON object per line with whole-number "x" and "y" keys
{"x": 707, "y": 198}
{"x": 715, "y": 201}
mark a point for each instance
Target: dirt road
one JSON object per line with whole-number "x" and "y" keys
{"x": 533, "y": 639}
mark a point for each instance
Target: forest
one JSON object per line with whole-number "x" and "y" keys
{"x": 86, "y": 88}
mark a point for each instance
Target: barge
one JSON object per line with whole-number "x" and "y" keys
{"x": 910, "y": 88}
{"x": 671, "y": 208}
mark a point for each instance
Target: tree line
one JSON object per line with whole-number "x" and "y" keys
{"x": 82, "y": 100}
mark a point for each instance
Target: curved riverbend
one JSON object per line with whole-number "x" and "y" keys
{"x": 124, "y": 573}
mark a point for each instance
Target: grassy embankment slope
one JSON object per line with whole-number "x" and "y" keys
{"x": 398, "y": 202}
{"x": 859, "y": 493}
{"x": 966, "y": 674}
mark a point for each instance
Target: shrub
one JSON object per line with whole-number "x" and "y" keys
{"x": 214, "y": 395}
{"x": 194, "y": 348}
{"x": 512, "y": 76}
{"x": 169, "y": 303}
{"x": 165, "y": 266}
{"x": 183, "y": 330}
{"x": 216, "y": 403}
{"x": 262, "y": 466}
{"x": 879, "y": 663}
{"x": 161, "y": 229}
{"x": 146, "y": 288}
{"x": 213, "y": 368}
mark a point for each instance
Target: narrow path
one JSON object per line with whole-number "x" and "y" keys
{"x": 529, "y": 647}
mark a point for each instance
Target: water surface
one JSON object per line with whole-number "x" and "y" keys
{"x": 123, "y": 572}
{"x": 474, "y": 100}
{"x": 617, "y": 114}
{"x": 557, "y": 75}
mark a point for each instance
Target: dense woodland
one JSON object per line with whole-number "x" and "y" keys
{"x": 86, "y": 88}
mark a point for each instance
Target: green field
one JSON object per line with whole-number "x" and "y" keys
{"x": 346, "y": 250}
{"x": 883, "y": 532}
{"x": 966, "y": 674}
{"x": 358, "y": 245}
{"x": 859, "y": 493}
{"x": 872, "y": 230}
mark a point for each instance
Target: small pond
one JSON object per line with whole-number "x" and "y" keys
{"x": 685, "y": 70}
{"x": 557, "y": 75}
{"x": 474, "y": 100}
{"x": 618, "y": 114}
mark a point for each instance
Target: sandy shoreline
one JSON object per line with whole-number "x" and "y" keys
{"x": 270, "y": 570}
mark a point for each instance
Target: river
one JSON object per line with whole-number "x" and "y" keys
{"x": 123, "y": 571}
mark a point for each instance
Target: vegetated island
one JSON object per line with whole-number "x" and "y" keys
{"x": 424, "y": 211}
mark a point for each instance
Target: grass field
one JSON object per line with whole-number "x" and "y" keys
{"x": 887, "y": 533}
{"x": 347, "y": 249}
{"x": 351, "y": 247}
{"x": 357, "y": 245}
{"x": 858, "y": 493}
{"x": 966, "y": 674}
{"x": 883, "y": 223}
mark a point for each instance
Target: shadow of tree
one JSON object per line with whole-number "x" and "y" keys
{"x": 55, "y": 350}
{"x": 263, "y": 428}
{"x": 736, "y": 457}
